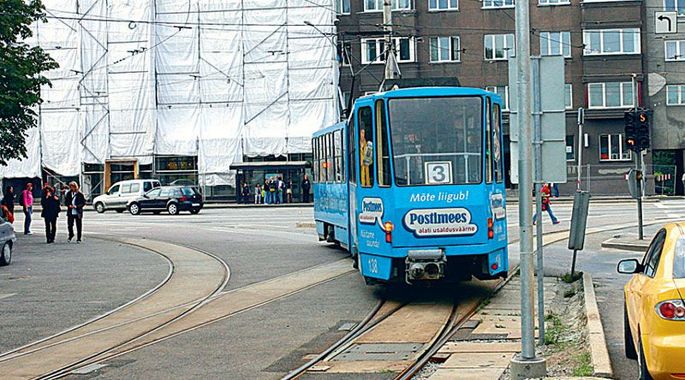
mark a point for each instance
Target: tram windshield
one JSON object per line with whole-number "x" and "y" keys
{"x": 437, "y": 141}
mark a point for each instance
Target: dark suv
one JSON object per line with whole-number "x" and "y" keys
{"x": 170, "y": 198}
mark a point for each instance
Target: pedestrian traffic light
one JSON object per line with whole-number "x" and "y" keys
{"x": 643, "y": 119}
{"x": 631, "y": 125}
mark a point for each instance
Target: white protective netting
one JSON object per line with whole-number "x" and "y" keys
{"x": 219, "y": 79}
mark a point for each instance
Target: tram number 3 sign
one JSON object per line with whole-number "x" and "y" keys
{"x": 438, "y": 172}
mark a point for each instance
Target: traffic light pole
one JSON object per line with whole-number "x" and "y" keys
{"x": 638, "y": 164}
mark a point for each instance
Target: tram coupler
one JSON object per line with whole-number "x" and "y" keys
{"x": 426, "y": 264}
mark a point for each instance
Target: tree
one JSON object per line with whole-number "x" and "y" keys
{"x": 20, "y": 75}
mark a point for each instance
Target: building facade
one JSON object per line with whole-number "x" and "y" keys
{"x": 602, "y": 42}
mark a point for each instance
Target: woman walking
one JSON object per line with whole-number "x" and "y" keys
{"x": 546, "y": 193}
{"x": 51, "y": 209}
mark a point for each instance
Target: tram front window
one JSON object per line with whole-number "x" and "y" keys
{"x": 436, "y": 141}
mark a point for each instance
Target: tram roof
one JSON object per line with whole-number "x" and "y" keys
{"x": 429, "y": 91}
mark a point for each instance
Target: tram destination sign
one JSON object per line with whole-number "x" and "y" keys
{"x": 547, "y": 79}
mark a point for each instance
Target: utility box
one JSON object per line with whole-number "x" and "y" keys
{"x": 581, "y": 205}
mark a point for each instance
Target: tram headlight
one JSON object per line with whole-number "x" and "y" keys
{"x": 388, "y": 227}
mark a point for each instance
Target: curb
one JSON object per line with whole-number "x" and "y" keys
{"x": 625, "y": 246}
{"x": 601, "y": 362}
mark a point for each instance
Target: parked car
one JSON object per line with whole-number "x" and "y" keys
{"x": 7, "y": 240}
{"x": 170, "y": 198}
{"x": 122, "y": 193}
{"x": 654, "y": 312}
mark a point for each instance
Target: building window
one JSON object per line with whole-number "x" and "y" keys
{"x": 377, "y": 5}
{"x": 675, "y": 5}
{"x": 570, "y": 148}
{"x": 568, "y": 96}
{"x": 499, "y": 47}
{"x": 555, "y": 43}
{"x": 503, "y": 92}
{"x": 443, "y": 5}
{"x": 373, "y": 50}
{"x": 675, "y": 95}
{"x": 613, "y": 148}
{"x": 445, "y": 49}
{"x": 674, "y": 50}
{"x": 611, "y": 41}
{"x": 342, "y": 7}
{"x": 554, "y": 2}
{"x": 498, "y": 4}
{"x": 610, "y": 95}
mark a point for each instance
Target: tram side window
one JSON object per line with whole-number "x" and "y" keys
{"x": 366, "y": 146}
{"x": 351, "y": 151}
{"x": 488, "y": 143}
{"x": 322, "y": 160}
{"x": 383, "y": 147}
{"x": 315, "y": 172}
{"x": 331, "y": 158}
{"x": 338, "y": 154}
{"x": 497, "y": 143}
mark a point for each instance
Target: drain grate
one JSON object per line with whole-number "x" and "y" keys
{"x": 380, "y": 352}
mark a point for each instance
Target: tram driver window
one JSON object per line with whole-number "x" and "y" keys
{"x": 497, "y": 142}
{"x": 366, "y": 147}
{"x": 446, "y": 150}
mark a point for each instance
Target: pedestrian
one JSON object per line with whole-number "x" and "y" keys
{"x": 289, "y": 191}
{"x": 305, "y": 189}
{"x": 257, "y": 194}
{"x": 50, "y": 213}
{"x": 280, "y": 189}
{"x": 26, "y": 201}
{"x": 245, "y": 194}
{"x": 272, "y": 191}
{"x": 74, "y": 201}
{"x": 546, "y": 194}
{"x": 8, "y": 199}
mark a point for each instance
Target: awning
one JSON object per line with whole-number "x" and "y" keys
{"x": 264, "y": 165}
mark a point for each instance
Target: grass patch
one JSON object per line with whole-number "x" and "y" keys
{"x": 567, "y": 278}
{"x": 583, "y": 365}
{"x": 569, "y": 293}
{"x": 554, "y": 329}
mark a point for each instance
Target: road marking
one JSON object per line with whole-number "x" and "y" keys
{"x": 8, "y": 295}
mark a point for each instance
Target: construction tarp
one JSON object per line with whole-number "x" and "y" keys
{"x": 220, "y": 79}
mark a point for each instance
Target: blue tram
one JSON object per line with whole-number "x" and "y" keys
{"x": 413, "y": 185}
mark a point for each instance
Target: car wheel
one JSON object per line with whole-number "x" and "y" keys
{"x": 134, "y": 209}
{"x": 99, "y": 207}
{"x": 6, "y": 254}
{"x": 643, "y": 372}
{"x": 172, "y": 208}
{"x": 195, "y": 211}
{"x": 628, "y": 336}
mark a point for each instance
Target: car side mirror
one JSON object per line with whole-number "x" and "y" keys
{"x": 629, "y": 266}
{"x": 145, "y": 196}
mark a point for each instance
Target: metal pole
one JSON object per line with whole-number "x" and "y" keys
{"x": 525, "y": 124}
{"x": 537, "y": 144}
{"x": 638, "y": 165}
{"x": 387, "y": 28}
{"x": 581, "y": 121}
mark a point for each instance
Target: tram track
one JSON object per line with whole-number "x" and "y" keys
{"x": 329, "y": 360}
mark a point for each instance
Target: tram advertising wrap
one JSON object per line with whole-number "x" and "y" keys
{"x": 412, "y": 185}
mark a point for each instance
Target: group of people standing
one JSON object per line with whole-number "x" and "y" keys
{"x": 51, "y": 204}
{"x": 275, "y": 191}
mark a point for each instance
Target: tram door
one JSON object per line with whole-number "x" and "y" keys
{"x": 370, "y": 192}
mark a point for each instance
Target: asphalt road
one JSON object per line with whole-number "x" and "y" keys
{"x": 263, "y": 243}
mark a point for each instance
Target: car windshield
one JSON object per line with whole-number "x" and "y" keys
{"x": 436, "y": 140}
{"x": 679, "y": 259}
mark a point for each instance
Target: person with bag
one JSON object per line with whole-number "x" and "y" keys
{"x": 51, "y": 210}
{"x": 74, "y": 201}
{"x": 26, "y": 201}
{"x": 8, "y": 204}
{"x": 546, "y": 194}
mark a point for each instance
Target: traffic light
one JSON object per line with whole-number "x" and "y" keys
{"x": 631, "y": 124}
{"x": 643, "y": 119}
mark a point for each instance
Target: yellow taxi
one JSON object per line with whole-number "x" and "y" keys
{"x": 655, "y": 306}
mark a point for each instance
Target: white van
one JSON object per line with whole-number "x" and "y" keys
{"x": 118, "y": 196}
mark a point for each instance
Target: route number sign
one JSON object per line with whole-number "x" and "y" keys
{"x": 438, "y": 173}
{"x": 666, "y": 22}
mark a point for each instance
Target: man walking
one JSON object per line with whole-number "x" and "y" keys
{"x": 51, "y": 209}
{"x": 27, "y": 204}
{"x": 546, "y": 194}
{"x": 74, "y": 201}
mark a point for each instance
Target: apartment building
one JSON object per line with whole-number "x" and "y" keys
{"x": 472, "y": 40}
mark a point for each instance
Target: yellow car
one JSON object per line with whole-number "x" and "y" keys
{"x": 655, "y": 306}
